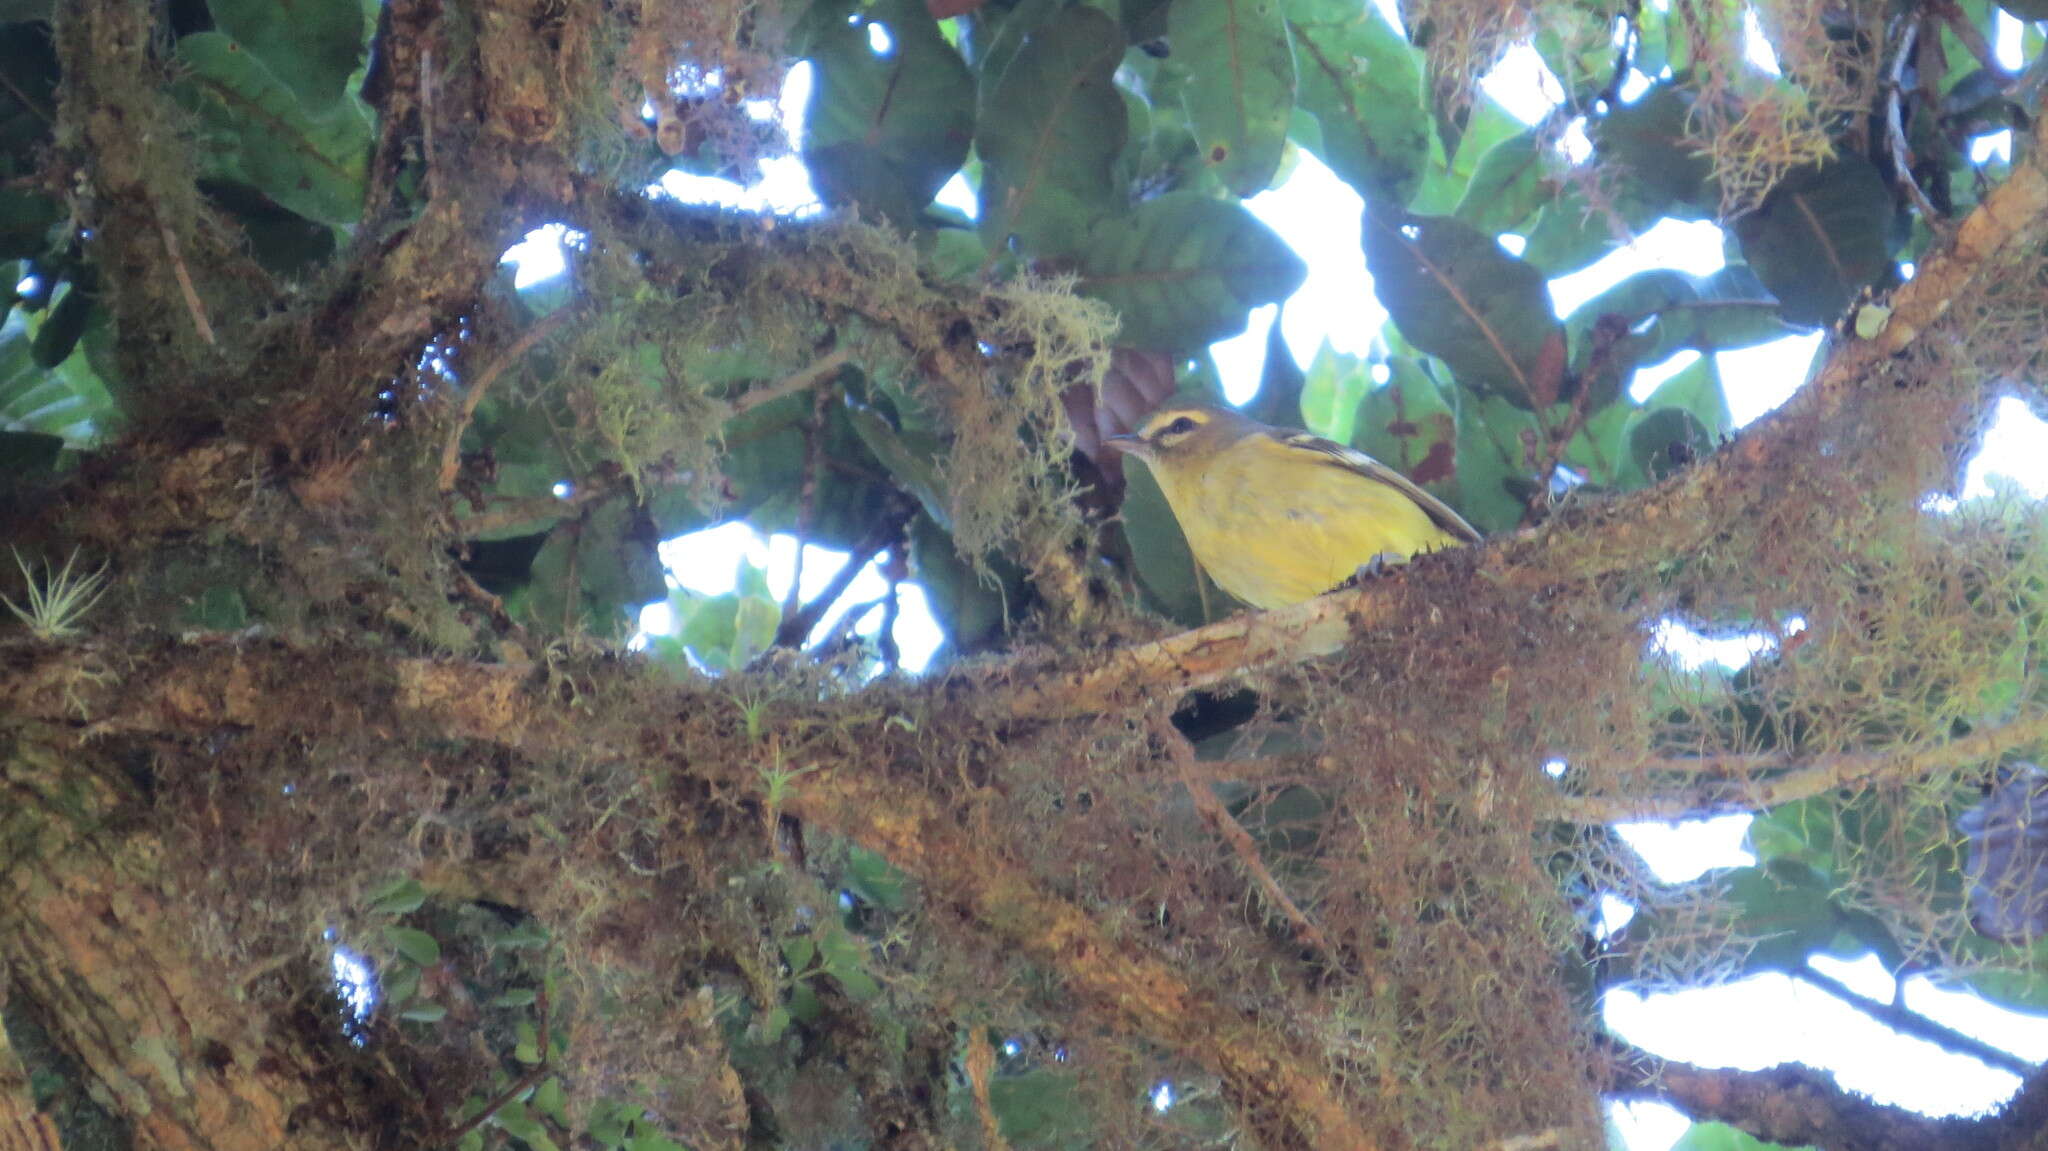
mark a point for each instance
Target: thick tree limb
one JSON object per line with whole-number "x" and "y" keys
{"x": 142, "y": 201}
{"x": 1786, "y": 1104}
{"x": 195, "y": 689}
{"x": 1789, "y": 778}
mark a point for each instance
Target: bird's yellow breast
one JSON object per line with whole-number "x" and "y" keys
{"x": 1278, "y": 526}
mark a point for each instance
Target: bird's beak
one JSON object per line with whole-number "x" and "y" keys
{"x": 1129, "y": 445}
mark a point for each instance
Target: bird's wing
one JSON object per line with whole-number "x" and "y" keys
{"x": 1352, "y": 460}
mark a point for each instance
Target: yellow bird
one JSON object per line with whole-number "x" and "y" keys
{"x": 1276, "y": 516}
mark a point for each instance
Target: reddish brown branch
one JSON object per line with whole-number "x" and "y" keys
{"x": 1210, "y": 807}
{"x": 1786, "y": 1104}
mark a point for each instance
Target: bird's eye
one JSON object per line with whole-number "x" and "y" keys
{"x": 1180, "y": 427}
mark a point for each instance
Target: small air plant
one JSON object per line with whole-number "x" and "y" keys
{"x": 58, "y": 601}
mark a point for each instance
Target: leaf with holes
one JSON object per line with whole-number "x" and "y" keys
{"x": 888, "y": 128}
{"x": 1410, "y": 426}
{"x": 312, "y": 45}
{"x": 1456, "y": 295}
{"x": 1051, "y": 125}
{"x": 253, "y": 129}
{"x": 1820, "y": 236}
{"x": 1240, "y": 110}
{"x": 1492, "y": 459}
{"x": 1184, "y": 270}
{"x": 1360, "y": 79}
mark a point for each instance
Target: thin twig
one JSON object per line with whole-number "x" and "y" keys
{"x": 519, "y": 1086}
{"x": 807, "y": 497}
{"x": 184, "y": 278}
{"x": 474, "y": 592}
{"x": 797, "y": 627}
{"x": 1918, "y": 1026}
{"x": 1802, "y": 779}
{"x": 1896, "y": 130}
{"x": 451, "y": 448}
{"x": 885, "y": 639}
{"x": 789, "y": 385}
{"x": 1959, "y": 23}
{"x": 1213, "y": 812}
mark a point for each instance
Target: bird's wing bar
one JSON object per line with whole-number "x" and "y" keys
{"x": 1356, "y": 461}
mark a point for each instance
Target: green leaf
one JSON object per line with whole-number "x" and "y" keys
{"x": 875, "y": 879}
{"x": 1331, "y": 391}
{"x": 526, "y": 1045}
{"x": 1409, "y": 425}
{"x": 401, "y": 896}
{"x": 969, "y": 607}
{"x": 28, "y": 454}
{"x": 1697, "y": 390}
{"x": 1240, "y": 111}
{"x": 1651, "y": 316}
{"x": 1051, "y": 124}
{"x": 1513, "y": 180}
{"x": 1042, "y": 1107}
{"x": 1183, "y": 270}
{"x": 254, "y": 129}
{"x": 1721, "y": 1137}
{"x": 550, "y": 1100}
{"x": 606, "y": 561}
{"x": 311, "y": 45}
{"x": 68, "y": 401}
{"x": 62, "y": 326}
{"x": 517, "y": 1121}
{"x": 28, "y": 96}
{"x": 1666, "y": 440}
{"x": 1445, "y": 178}
{"x": 525, "y": 934}
{"x": 1490, "y": 461}
{"x": 425, "y": 1013}
{"x": 284, "y": 242}
{"x": 910, "y": 455}
{"x": 1783, "y": 907}
{"x": 1361, "y": 80}
{"x": 515, "y": 997}
{"x": 1278, "y": 401}
{"x": 414, "y": 944}
{"x": 1820, "y": 236}
{"x": 1165, "y": 567}
{"x": 27, "y": 219}
{"x": 886, "y": 131}
{"x": 798, "y": 951}
{"x": 1455, "y": 294}
{"x": 399, "y": 982}
{"x": 1648, "y": 140}
{"x": 1571, "y": 233}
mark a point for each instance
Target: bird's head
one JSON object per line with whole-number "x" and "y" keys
{"x": 1181, "y": 434}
